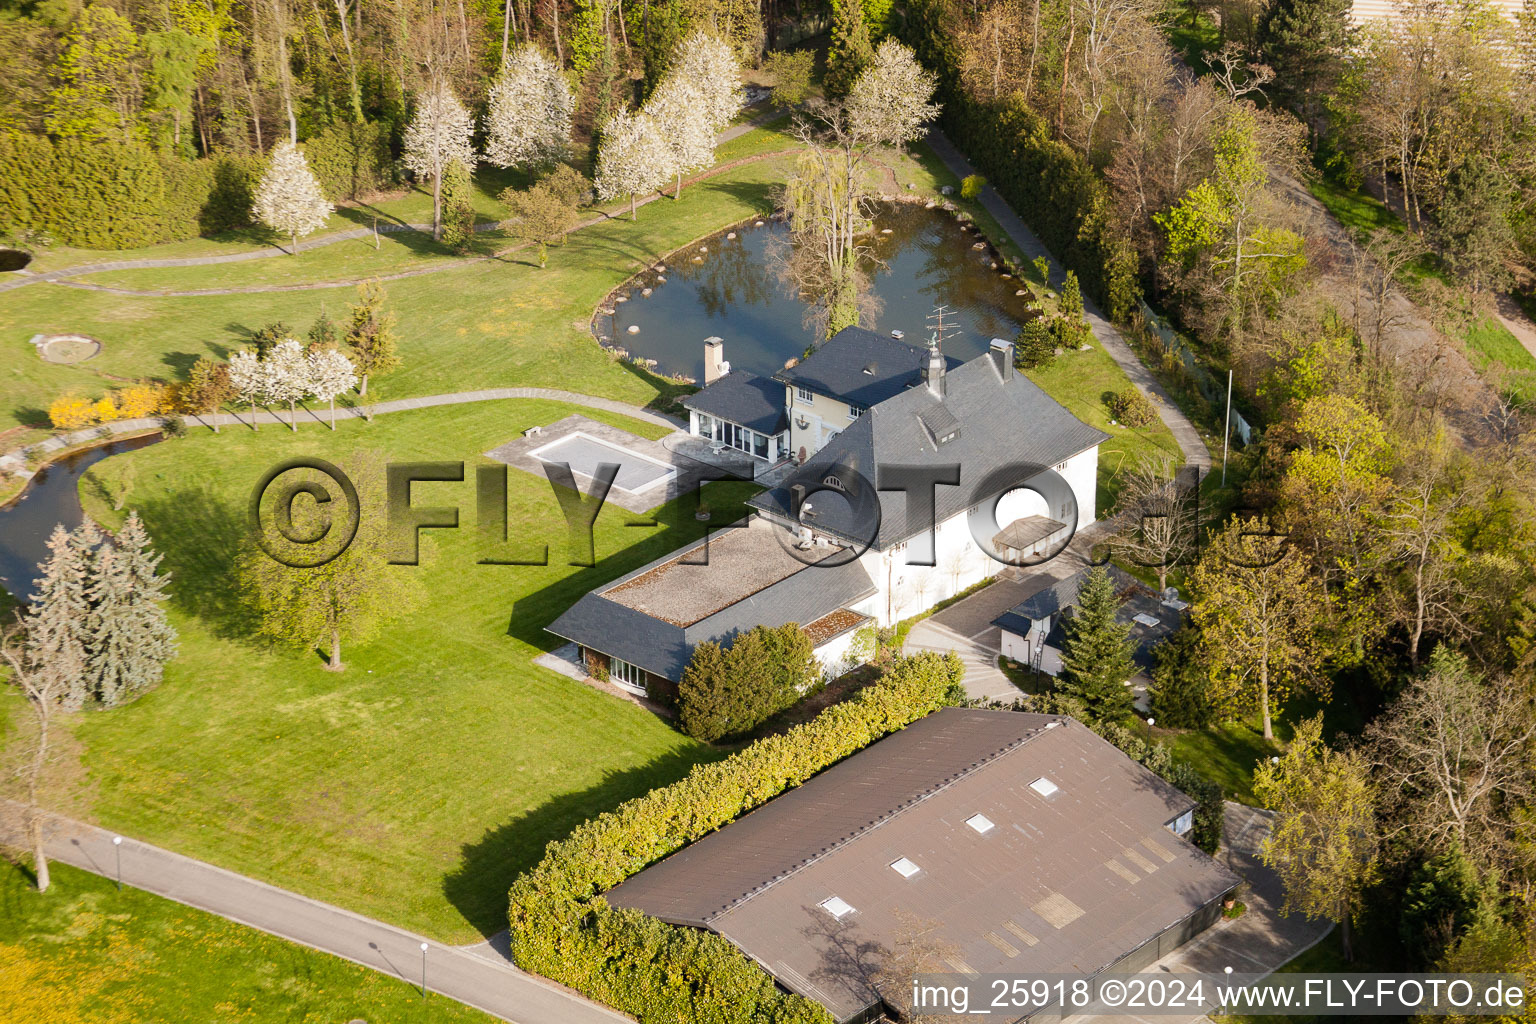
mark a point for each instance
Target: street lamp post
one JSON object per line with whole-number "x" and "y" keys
{"x": 117, "y": 845}
{"x": 1228, "y": 971}
{"x": 1150, "y": 723}
{"x": 424, "y": 970}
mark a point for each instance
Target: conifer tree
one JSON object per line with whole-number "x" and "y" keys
{"x": 1096, "y": 651}
{"x": 852, "y": 50}
{"x": 151, "y": 637}
{"x": 108, "y": 636}
{"x": 55, "y": 622}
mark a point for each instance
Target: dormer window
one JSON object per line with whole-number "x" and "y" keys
{"x": 855, "y": 411}
{"x": 804, "y": 395}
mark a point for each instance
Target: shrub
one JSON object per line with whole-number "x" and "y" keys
{"x": 564, "y": 930}
{"x": 103, "y": 410}
{"x": 791, "y": 74}
{"x": 458, "y": 214}
{"x": 1071, "y": 333}
{"x": 1130, "y": 406}
{"x": 143, "y": 400}
{"x": 971, "y": 186}
{"x": 173, "y": 427}
{"x": 727, "y": 693}
{"x": 71, "y": 412}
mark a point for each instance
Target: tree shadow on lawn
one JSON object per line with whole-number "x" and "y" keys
{"x": 488, "y": 867}
{"x": 201, "y": 536}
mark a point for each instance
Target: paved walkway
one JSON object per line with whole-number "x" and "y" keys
{"x": 321, "y": 416}
{"x": 1190, "y": 442}
{"x": 22, "y": 278}
{"x": 481, "y": 975}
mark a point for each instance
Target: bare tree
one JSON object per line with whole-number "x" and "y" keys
{"x": 1429, "y": 589}
{"x": 1456, "y": 748}
{"x": 1157, "y": 517}
{"x": 1378, "y": 268}
{"x": 1231, "y": 68}
{"x": 919, "y": 949}
{"x": 43, "y": 685}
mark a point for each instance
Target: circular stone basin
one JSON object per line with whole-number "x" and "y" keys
{"x": 14, "y": 259}
{"x": 66, "y": 348}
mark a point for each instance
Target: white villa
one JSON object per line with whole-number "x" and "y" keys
{"x": 839, "y": 545}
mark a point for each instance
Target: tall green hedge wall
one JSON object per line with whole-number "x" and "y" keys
{"x": 1055, "y": 190}
{"x": 563, "y": 929}
{"x": 113, "y": 195}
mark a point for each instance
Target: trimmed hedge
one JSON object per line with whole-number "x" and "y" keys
{"x": 351, "y": 160}
{"x": 563, "y": 929}
{"x": 1056, "y": 191}
{"x": 114, "y": 195}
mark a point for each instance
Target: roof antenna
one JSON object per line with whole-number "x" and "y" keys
{"x": 941, "y": 329}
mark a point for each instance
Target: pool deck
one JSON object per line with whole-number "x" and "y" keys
{"x": 687, "y": 471}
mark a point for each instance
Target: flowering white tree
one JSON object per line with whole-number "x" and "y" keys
{"x": 289, "y": 197}
{"x": 889, "y": 103}
{"x": 634, "y": 158}
{"x": 528, "y": 118}
{"x": 681, "y": 115}
{"x": 330, "y": 374}
{"x": 709, "y": 64}
{"x": 249, "y": 378}
{"x": 438, "y": 135}
{"x": 287, "y": 376}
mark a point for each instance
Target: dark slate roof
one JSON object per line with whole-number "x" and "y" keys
{"x": 744, "y": 398}
{"x": 1070, "y": 882}
{"x": 838, "y": 368}
{"x": 1004, "y": 422}
{"x": 1062, "y": 593}
{"x": 662, "y": 648}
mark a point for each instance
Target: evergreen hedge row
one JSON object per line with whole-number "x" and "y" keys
{"x": 114, "y": 195}
{"x": 563, "y": 929}
{"x": 1055, "y": 190}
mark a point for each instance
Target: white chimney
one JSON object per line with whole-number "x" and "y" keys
{"x": 933, "y": 372}
{"x": 715, "y": 365}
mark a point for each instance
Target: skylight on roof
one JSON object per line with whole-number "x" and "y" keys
{"x": 1043, "y": 786}
{"x": 980, "y": 822}
{"x": 837, "y": 907}
{"x": 904, "y": 867}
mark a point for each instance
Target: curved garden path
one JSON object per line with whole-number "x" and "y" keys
{"x": 22, "y": 278}
{"x": 320, "y": 415}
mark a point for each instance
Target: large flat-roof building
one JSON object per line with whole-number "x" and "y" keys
{"x": 1034, "y": 845}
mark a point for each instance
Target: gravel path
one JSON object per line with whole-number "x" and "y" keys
{"x": 320, "y": 416}
{"x": 22, "y": 278}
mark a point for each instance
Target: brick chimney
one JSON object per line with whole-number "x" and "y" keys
{"x": 715, "y": 365}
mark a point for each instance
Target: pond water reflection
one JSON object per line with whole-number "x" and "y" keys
{"x": 734, "y": 293}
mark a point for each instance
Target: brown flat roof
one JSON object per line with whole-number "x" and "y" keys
{"x": 1070, "y": 881}
{"x": 696, "y": 584}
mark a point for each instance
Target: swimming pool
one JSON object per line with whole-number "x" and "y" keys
{"x": 584, "y": 453}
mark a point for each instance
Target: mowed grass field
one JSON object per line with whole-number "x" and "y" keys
{"x": 84, "y": 953}
{"x": 483, "y": 324}
{"x": 415, "y": 785}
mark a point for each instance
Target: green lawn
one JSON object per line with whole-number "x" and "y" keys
{"x": 85, "y": 952}
{"x": 414, "y": 786}
{"x": 1079, "y": 381}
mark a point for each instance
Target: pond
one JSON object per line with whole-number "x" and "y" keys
{"x": 52, "y": 497}
{"x": 734, "y": 293}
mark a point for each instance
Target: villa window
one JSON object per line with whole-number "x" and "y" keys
{"x": 855, "y": 411}
{"x": 804, "y": 395}
{"x": 626, "y": 676}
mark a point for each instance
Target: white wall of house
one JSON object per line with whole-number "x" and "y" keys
{"x": 833, "y": 654}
